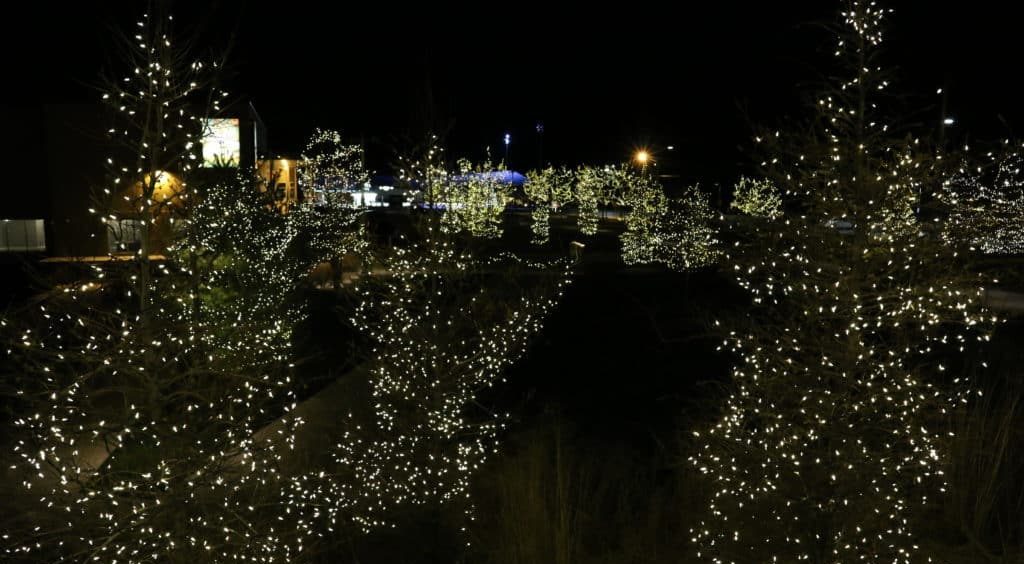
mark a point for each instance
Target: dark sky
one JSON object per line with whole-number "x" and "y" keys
{"x": 602, "y": 80}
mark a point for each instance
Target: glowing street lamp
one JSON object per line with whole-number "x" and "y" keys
{"x": 642, "y": 157}
{"x": 508, "y": 141}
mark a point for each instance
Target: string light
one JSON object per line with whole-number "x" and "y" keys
{"x": 448, "y": 326}
{"x": 828, "y": 445}
{"x": 329, "y": 167}
{"x": 159, "y": 471}
{"x": 180, "y": 463}
{"x": 758, "y": 198}
{"x": 589, "y": 187}
{"x": 546, "y": 189}
{"x": 474, "y": 200}
{"x": 986, "y": 203}
{"x": 677, "y": 232}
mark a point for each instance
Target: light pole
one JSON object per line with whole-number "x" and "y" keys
{"x": 540, "y": 145}
{"x": 508, "y": 141}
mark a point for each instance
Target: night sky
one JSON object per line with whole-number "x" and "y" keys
{"x": 602, "y": 80}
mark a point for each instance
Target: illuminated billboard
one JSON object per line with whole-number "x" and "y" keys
{"x": 222, "y": 143}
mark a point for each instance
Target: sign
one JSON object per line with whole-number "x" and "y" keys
{"x": 222, "y": 143}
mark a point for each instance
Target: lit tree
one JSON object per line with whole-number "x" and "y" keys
{"x": 680, "y": 233}
{"x": 251, "y": 259}
{"x": 562, "y": 190}
{"x": 548, "y": 189}
{"x": 133, "y": 442}
{"x": 758, "y": 198}
{"x": 140, "y": 397}
{"x": 647, "y": 207}
{"x": 475, "y": 200}
{"x": 444, "y": 326}
{"x": 140, "y": 425}
{"x": 425, "y": 170}
{"x": 138, "y": 442}
{"x": 160, "y": 108}
{"x": 539, "y": 188}
{"x": 330, "y": 166}
{"x": 828, "y": 441}
{"x": 986, "y": 203}
{"x": 589, "y": 191}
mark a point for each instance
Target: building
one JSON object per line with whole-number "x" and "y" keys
{"x": 59, "y": 169}
{"x": 281, "y": 173}
{"x": 236, "y": 138}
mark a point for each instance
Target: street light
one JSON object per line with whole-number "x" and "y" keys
{"x": 642, "y": 157}
{"x": 508, "y": 141}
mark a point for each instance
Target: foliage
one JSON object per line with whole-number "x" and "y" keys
{"x": 330, "y": 166}
{"x": 829, "y": 447}
{"x": 445, "y": 325}
{"x": 474, "y": 201}
{"x": 247, "y": 262}
{"x": 677, "y": 232}
{"x": 758, "y": 198}
{"x": 986, "y": 203}
{"x": 540, "y": 187}
{"x": 589, "y": 190}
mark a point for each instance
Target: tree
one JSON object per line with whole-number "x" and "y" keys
{"x": 677, "y": 232}
{"x": 985, "y": 202}
{"x": 406, "y": 432}
{"x": 140, "y": 396}
{"x": 546, "y": 189}
{"x": 758, "y": 198}
{"x": 425, "y": 170}
{"x": 251, "y": 261}
{"x": 328, "y": 168}
{"x": 829, "y": 442}
{"x": 588, "y": 194}
{"x": 160, "y": 106}
{"x": 451, "y": 325}
{"x": 329, "y": 165}
{"x": 136, "y": 441}
{"x": 474, "y": 200}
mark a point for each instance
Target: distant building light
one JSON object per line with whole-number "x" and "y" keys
{"x": 671, "y": 147}
{"x": 948, "y": 121}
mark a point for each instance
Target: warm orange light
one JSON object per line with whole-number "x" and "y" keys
{"x": 642, "y": 157}
{"x": 167, "y": 186}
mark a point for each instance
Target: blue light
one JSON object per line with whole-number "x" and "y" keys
{"x": 508, "y": 138}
